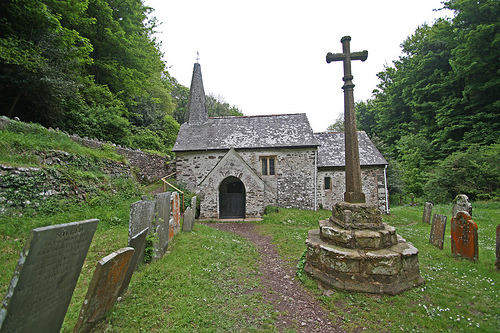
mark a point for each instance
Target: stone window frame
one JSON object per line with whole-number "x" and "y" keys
{"x": 269, "y": 168}
{"x": 328, "y": 183}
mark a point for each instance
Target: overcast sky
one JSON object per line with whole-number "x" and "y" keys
{"x": 268, "y": 56}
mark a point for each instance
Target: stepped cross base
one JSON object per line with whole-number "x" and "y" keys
{"x": 355, "y": 251}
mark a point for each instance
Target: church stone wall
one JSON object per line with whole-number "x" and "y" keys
{"x": 231, "y": 166}
{"x": 373, "y": 185}
{"x": 293, "y": 184}
{"x": 193, "y": 167}
{"x": 291, "y": 187}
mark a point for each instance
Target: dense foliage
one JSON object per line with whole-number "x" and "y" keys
{"x": 437, "y": 110}
{"x": 90, "y": 67}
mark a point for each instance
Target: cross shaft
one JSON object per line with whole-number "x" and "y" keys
{"x": 353, "y": 193}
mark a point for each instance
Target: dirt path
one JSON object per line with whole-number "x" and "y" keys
{"x": 299, "y": 310}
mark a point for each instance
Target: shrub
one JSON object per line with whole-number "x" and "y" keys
{"x": 271, "y": 209}
{"x": 474, "y": 172}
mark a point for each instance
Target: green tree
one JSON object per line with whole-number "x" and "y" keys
{"x": 474, "y": 172}
{"x": 338, "y": 125}
{"x": 180, "y": 97}
{"x": 442, "y": 93}
{"x": 218, "y": 107}
{"x": 40, "y": 59}
{"x": 414, "y": 152}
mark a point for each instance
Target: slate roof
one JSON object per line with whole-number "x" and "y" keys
{"x": 273, "y": 131}
{"x": 331, "y": 152}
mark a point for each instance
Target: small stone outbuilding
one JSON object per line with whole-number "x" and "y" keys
{"x": 240, "y": 165}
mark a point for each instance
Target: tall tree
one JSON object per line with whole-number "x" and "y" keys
{"x": 40, "y": 59}
{"x": 441, "y": 95}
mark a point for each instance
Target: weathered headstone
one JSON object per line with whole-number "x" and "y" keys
{"x": 141, "y": 217}
{"x": 189, "y": 216}
{"x": 461, "y": 204}
{"x": 162, "y": 214}
{"x": 438, "y": 229}
{"x": 175, "y": 227}
{"x": 103, "y": 289}
{"x": 497, "y": 262}
{"x": 464, "y": 236}
{"x": 45, "y": 277}
{"x": 137, "y": 243}
{"x": 188, "y": 222}
{"x": 193, "y": 205}
{"x": 426, "y": 218}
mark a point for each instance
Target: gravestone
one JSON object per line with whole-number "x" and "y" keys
{"x": 438, "y": 229}
{"x": 137, "y": 243}
{"x": 189, "y": 216}
{"x": 141, "y": 217}
{"x": 464, "y": 237}
{"x": 497, "y": 262}
{"x": 193, "y": 205}
{"x": 45, "y": 277}
{"x": 461, "y": 204}
{"x": 103, "y": 289}
{"x": 162, "y": 214}
{"x": 188, "y": 222}
{"x": 175, "y": 226}
{"x": 426, "y": 218}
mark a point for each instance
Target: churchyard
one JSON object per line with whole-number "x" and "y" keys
{"x": 208, "y": 279}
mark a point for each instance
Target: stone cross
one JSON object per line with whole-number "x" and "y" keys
{"x": 353, "y": 193}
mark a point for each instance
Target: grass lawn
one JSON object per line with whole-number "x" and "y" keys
{"x": 208, "y": 281}
{"x": 458, "y": 295}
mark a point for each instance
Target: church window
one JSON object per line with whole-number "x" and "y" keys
{"x": 328, "y": 183}
{"x": 268, "y": 166}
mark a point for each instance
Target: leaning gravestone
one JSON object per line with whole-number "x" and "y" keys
{"x": 464, "y": 237}
{"x": 438, "y": 229}
{"x": 103, "y": 289}
{"x": 497, "y": 262}
{"x": 188, "y": 222}
{"x": 175, "y": 223}
{"x": 162, "y": 214}
{"x": 45, "y": 277}
{"x": 426, "y": 218}
{"x": 137, "y": 243}
{"x": 141, "y": 217}
{"x": 461, "y": 204}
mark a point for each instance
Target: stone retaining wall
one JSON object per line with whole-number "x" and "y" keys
{"x": 30, "y": 186}
{"x": 151, "y": 167}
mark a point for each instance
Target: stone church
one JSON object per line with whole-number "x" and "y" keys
{"x": 240, "y": 165}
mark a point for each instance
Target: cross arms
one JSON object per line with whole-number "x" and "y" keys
{"x": 363, "y": 55}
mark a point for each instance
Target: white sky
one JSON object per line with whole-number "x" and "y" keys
{"x": 268, "y": 56}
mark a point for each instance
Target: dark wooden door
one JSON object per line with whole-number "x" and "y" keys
{"x": 232, "y": 205}
{"x": 231, "y": 198}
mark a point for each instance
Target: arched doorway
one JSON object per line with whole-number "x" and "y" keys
{"x": 231, "y": 198}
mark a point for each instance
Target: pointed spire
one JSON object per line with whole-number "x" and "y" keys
{"x": 197, "y": 113}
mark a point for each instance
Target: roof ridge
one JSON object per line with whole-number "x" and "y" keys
{"x": 334, "y": 132}
{"x": 260, "y": 115}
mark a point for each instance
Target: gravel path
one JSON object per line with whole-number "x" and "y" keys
{"x": 299, "y": 310}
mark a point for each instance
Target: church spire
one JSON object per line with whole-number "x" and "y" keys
{"x": 197, "y": 113}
